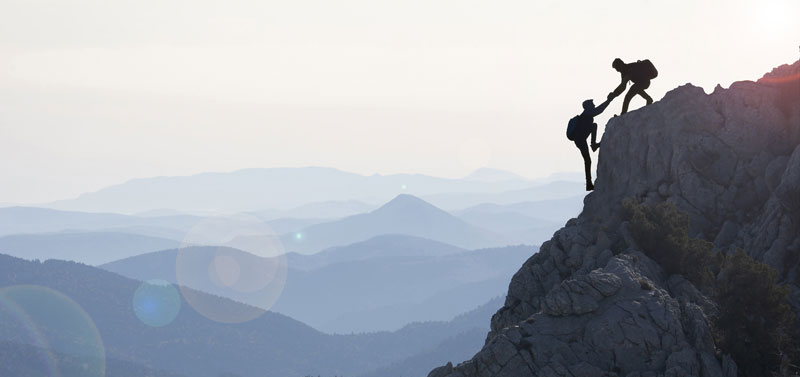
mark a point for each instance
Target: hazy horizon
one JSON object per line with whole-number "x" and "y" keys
{"x": 571, "y": 176}
{"x": 95, "y": 93}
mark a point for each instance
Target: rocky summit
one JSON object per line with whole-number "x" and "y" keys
{"x": 584, "y": 306}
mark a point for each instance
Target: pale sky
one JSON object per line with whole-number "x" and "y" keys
{"x": 97, "y": 92}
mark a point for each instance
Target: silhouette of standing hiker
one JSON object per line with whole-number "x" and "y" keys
{"x": 579, "y": 129}
{"x": 640, "y": 73}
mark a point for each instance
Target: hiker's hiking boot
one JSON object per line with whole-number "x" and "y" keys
{"x": 595, "y": 146}
{"x": 589, "y": 186}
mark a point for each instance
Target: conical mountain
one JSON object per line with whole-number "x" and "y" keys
{"x": 405, "y": 214}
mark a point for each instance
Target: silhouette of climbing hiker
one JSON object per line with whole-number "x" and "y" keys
{"x": 640, "y": 73}
{"x": 579, "y": 129}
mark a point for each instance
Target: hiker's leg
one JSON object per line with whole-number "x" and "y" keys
{"x": 627, "y": 99}
{"x": 647, "y": 97}
{"x": 638, "y": 88}
{"x": 587, "y": 159}
{"x": 644, "y": 95}
{"x": 594, "y": 133}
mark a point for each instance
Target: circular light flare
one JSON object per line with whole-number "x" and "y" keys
{"x": 11, "y": 315}
{"x": 60, "y": 325}
{"x": 244, "y": 260}
{"x": 224, "y": 270}
{"x": 156, "y": 303}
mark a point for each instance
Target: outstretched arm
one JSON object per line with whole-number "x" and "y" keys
{"x": 603, "y": 105}
{"x": 621, "y": 87}
{"x": 599, "y": 109}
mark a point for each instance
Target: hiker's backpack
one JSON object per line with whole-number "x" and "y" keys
{"x": 572, "y": 125}
{"x": 643, "y": 70}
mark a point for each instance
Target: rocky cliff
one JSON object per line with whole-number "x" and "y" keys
{"x": 584, "y": 306}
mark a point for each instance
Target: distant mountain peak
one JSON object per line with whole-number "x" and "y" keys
{"x": 405, "y": 201}
{"x": 406, "y": 215}
{"x": 268, "y": 188}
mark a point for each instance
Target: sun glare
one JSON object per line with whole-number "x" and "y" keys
{"x": 772, "y": 16}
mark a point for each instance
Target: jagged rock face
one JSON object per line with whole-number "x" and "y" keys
{"x": 730, "y": 159}
{"x": 586, "y": 306}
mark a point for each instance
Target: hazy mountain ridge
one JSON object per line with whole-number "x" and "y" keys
{"x": 107, "y": 298}
{"x": 91, "y": 248}
{"x": 278, "y": 188}
{"x": 25, "y": 220}
{"x": 541, "y": 209}
{"x": 437, "y": 307}
{"x": 23, "y": 360}
{"x": 379, "y": 246}
{"x": 271, "y": 345}
{"x": 38, "y": 232}
{"x": 332, "y": 209}
{"x": 405, "y": 214}
{"x": 327, "y": 290}
{"x": 461, "y": 345}
{"x": 731, "y": 160}
{"x": 536, "y": 192}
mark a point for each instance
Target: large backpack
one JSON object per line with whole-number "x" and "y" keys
{"x": 572, "y": 125}
{"x": 643, "y": 70}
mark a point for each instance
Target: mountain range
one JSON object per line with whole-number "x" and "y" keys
{"x": 88, "y": 247}
{"x": 554, "y": 190}
{"x": 96, "y": 312}
{"x": 286, "y": 188}
{"x": 411, "y": 279}
{"x": 22, "y": 220}
{"x": 405, "y": 214}
{"x": 95, "y": 238}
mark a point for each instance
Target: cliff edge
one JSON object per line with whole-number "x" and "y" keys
{"x": 591, "y": 303}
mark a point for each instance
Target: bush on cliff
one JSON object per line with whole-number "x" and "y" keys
{"x": 755, "y": 324}
{"x": 663, "y": 234}
{"x": 754, "y": 317}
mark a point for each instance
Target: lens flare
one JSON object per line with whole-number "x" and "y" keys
{"x": 241, "y": 258}
{"x": 60, "y": 326}
{"x": 224, "y": 271}
{"x": 156, "y": 303}
{"x": 13, "y": 320}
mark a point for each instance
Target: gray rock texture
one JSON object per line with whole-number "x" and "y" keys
{"x": 589, "y": 303}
